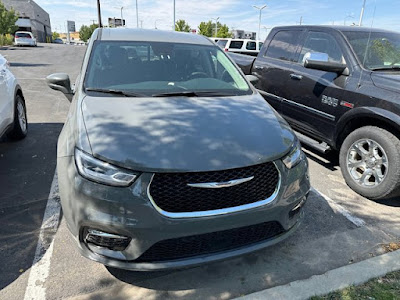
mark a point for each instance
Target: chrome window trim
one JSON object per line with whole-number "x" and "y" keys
{"x": 216, "y": 212}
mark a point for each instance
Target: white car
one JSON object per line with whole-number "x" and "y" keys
{"x": 13, "y": 120}
{"x": 24, "y": 38}
{"x": 241, "y": 46}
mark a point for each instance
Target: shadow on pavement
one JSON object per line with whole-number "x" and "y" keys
{"x": 26, "y": 173}
{"x": 28, "y": 65}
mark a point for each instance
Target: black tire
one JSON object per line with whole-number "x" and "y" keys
{"x": 18, "y": 132}
{"x": 384, "y": 140}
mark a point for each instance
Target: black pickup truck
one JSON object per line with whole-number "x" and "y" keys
{"x": 339, "y": 88}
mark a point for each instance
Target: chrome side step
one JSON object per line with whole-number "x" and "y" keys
{"x": 319, "y": 146}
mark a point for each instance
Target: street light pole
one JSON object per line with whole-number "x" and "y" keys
{"x": 362, "y": 14}
{"x": 174, "y": 15}
{"x": 216, "y": 25}
{"x": 137, "y": 15}
{"x": 99, "y": 13}
{"x": 259, "y": 21}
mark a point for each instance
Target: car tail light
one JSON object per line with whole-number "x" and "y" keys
{"x": 28, "y": 37}
{"x": 226, "y": 50}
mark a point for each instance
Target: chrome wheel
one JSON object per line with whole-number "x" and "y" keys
{"x": 21, "y": 116}
{"x": 367, "y": 163}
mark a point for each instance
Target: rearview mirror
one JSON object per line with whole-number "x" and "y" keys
{"x": 60, "y": 82}
{"x": 320, "y": 61}
{"x": 253, "y": 79}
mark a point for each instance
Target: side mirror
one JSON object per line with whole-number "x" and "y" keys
{"x": 253, "y": 79}
{"x": 320, "y": 61}
{"x": 60, "y": 82}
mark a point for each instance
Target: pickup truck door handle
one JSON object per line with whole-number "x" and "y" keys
{"x": 296, "y": 76}
{"x": 259, "y": 68}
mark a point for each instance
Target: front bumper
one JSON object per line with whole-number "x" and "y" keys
{"x": 129, "y": 212}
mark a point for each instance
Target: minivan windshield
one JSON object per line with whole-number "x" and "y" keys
{"x": 160, "y": 68}
{"x": 382, "y": 52}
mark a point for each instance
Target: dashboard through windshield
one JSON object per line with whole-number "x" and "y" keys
{"x": 154, "y": 68}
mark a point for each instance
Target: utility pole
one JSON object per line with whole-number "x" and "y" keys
{"x": 301, "y": 20}
{"x": 259, "y": 21}
{"x": 174, "y": 15}
{"x": 99, "y": 13}
{"x": 93, "y": 21}
{"x": 362, "y": 14}
{"x": 137, "y": 15}
{"x": 216, "y": 25}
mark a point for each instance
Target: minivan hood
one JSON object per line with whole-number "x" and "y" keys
{"x": 179, "y": 134}
{"x": 387, "y": 80}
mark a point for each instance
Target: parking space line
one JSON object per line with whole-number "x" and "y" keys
{"x": 44, "y": 249}
{"x": 340, "y": 209}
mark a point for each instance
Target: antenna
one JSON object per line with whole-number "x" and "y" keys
{"x": 367, "y": 47}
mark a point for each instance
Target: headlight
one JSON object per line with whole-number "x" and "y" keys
{"x": 102, "y": 172}
{"x": 294, "y": 157}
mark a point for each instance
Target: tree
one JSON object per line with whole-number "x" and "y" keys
{"x": 56, "y": 35}
{"x": 224, "y": 32}
{"x": 86, "y": 32}
{"x": 208, "y": 29}
{"x": 181, "y": 25}
{"x": 7, "y": 20}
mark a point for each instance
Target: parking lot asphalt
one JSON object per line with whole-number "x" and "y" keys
{"x": 339, "y": 227}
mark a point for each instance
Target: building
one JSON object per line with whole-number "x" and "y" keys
{"x": 74, "y": 37}
{"x": 32, "y": 18}
{"x": 241, "y": 34}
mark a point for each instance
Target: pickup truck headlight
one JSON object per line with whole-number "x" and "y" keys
{"x": 101, "y": 172}
{"x": 294, "y": 157}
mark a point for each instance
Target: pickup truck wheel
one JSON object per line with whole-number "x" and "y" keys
{"x": 20, "y": 126}
{"x": 370, "y": 162}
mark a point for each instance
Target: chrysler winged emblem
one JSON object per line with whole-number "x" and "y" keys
{"x": 219, "y": 185}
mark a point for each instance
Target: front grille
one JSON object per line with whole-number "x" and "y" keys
{"x": 209, "y": 243}
{"x": 171, "y": 193}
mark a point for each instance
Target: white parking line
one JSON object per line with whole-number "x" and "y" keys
{"x": 44, "y": 250}
{"x": 340, "y": 209}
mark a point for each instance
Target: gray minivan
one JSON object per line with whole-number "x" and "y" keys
{"x": 169, "y": 156}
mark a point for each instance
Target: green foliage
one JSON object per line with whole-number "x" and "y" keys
{"x": 7, "y": 20}
{"x": 182, "y": 26}
{"x": 205, "y": 28}
{"x": 224, "y": 32}
{"x": 6, "y": 39}
{"x": 208, "y": 29}
{"x": 86, "y": 32}
{"x": 386, "y": 51}
{"x": 56, "y": 35}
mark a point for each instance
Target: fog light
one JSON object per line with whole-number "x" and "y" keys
{"x": 107, "y": 240}
{"x": 297, "y": 208}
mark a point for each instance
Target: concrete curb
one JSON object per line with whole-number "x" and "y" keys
{"x": 333, "y": 280}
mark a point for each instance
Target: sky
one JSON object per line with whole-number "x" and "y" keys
{"x": 237, "y": 14}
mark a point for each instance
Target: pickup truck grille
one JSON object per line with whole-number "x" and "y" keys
{"x": 171, "y": 193}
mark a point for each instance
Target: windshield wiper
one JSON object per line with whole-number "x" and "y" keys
{"x": 193, "y": 94}
{"x": 115, "y": 92}
{"x": 389, "y": 68}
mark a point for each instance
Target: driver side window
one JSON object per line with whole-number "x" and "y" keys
{"x": 321, "y": 42}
